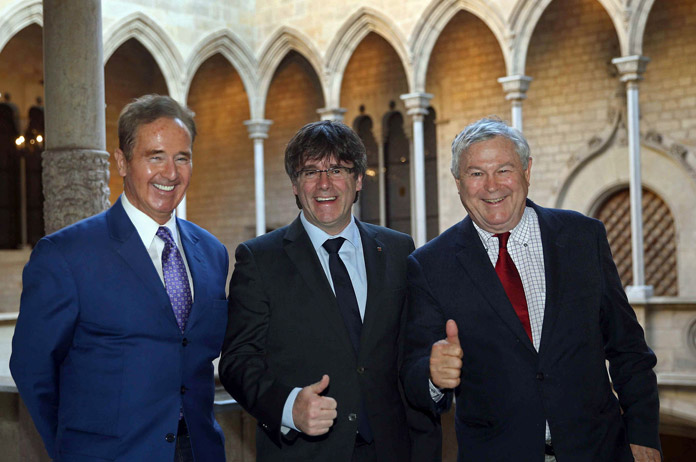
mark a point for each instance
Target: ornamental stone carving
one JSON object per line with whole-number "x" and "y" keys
{"x": 76, "y": 186}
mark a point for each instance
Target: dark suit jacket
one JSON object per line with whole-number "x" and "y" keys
{"x": 97, "y": 355}
{"x": 285, "y": 331}
{"x": 507, "y": 389}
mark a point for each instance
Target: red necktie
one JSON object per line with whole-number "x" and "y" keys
{"x": 507, "y": 272}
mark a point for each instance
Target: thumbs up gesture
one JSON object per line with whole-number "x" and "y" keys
{"x": 446, "y": 358}
{"x": 312, "y": 413}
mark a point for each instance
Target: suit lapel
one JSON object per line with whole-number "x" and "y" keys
{"x": 553, "y": 240}
{"x": 375, "y": 266}
{"x": 129, "y": 246}
{"x": 198, "y": 267}
{"x": 301, "y": 252}
{"x": 474, "y": 260}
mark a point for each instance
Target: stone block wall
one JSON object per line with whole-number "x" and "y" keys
{"x": 574, "y": 87}
{"x": 462, "y": 75}
{"x": 221, "y": 195}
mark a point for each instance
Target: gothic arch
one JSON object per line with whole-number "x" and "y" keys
{"x": 347, "y": 39}
{"x": 155, "y": 40}
{"x": 283, "y": 41}
{"x": 17, "y": 17}
{"x": 636, "y": 29}
{"x": 235, "y": 51}
{"x": 668, "y": 170}
{"x": 525, "y": 17}
{"x": 436, "y": 17}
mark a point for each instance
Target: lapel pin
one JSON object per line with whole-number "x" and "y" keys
{"x": 379, "y": 249}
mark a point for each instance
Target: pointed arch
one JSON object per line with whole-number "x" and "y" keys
{"x": 347, "y": 39}
{"x": 282, "y": 42}
{"x": 155, "y": 40}
{"x": 525, "y": 17}
{"x": 17, "y": 17}
{"x": 436, "y": 17}
{"x": 234, "y": 50}
{"x": 636, "y": 29}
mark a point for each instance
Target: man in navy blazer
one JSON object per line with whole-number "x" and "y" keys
{"x": 106, "y": 368}
{"x": 524, "y": 353}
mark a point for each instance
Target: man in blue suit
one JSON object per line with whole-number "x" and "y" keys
{"x": 515, "y": 311}
{"x": 122, "y": 314}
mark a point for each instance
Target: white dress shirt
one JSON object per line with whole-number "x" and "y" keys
{"x": 147, "y": 230}
{"x": 351, "y": 253}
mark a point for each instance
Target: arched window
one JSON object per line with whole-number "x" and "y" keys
{"x": 659, "y": 239}
{"x": 430, "y": 145}
{"x": 369, "y": 196}
{"x": 397, "y": 156}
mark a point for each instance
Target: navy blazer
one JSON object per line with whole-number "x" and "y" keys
{"x": 97, "y": 355}
{"x": 285, "y": 330}
{"x": 508, "y": 390}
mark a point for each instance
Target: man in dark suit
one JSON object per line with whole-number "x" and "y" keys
{"x": 315, "y": 316}
{"x": 122, "y": 314}
{"x": 514, "y": 311}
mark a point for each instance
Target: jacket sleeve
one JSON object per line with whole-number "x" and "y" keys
{"x": 243, "y": 369}
{"x": 631, "y": 362}
{"x": 425, "y": 325}
{"x": 48, "y": 312}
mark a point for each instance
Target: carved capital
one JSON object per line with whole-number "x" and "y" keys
{"x": 417, "y": 103}
{"x": 76, "y": 185}
{"x": 515, "y": 86}
{"x": 258, "y": 128}
{"x": 631, "y": 68}
{"x": 335, "y": 113}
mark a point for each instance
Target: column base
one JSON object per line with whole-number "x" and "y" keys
{"x": 639, "y": 293}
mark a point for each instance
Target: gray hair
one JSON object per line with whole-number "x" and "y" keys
{"x": 483, "y": 130}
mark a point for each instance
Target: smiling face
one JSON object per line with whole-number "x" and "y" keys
{"x": 156, "y": 177}
{"x": 493, "y": 185}
{"x": 327, "y": 202}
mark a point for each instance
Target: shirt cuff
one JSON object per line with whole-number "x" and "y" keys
{"x": 287, "y": 423}
{"x": 435, "y": 393}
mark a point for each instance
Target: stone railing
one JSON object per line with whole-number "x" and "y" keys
{"x": 670, "y": 329}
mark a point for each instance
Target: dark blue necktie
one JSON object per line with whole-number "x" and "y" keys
{"x": 348, "y": 306}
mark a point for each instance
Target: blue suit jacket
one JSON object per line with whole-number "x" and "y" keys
{"x": 507, "y": 389}
{"x": 97, "y": 355}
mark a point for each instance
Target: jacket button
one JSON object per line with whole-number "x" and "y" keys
{"x": 185, "y": 341}
{"x": 540, "y": 376}
{"x": 170, "y": 437}
{"x": 361, "y": 370}
{"x": 183, "y": 389}
{"x": 352, "y": 417}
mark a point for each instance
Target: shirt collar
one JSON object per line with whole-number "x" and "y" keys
{"x": 146, "y": 226}
{"x": 350, "y": 233}
{"x": 520, "y": 234}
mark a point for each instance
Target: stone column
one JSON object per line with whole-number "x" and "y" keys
{"x": 515, "y": 88}
{"x": 335, "y": 113}
{"x": 258, "y": 131}
{"x": 75, "y": 162}
{"x": 417, "y": 106}
{"x": 631, "y": 69}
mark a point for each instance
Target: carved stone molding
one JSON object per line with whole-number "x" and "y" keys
{"x": 691, "y": 337}
{"x": 76, "y": 186}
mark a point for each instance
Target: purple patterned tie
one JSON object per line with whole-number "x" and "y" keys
{"x": 176, "y": 280}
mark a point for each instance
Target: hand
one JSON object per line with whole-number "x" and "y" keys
{"x": 645, "y": 454}
{"x": 314, "y": 414}
{"x": 446, "y": 358}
